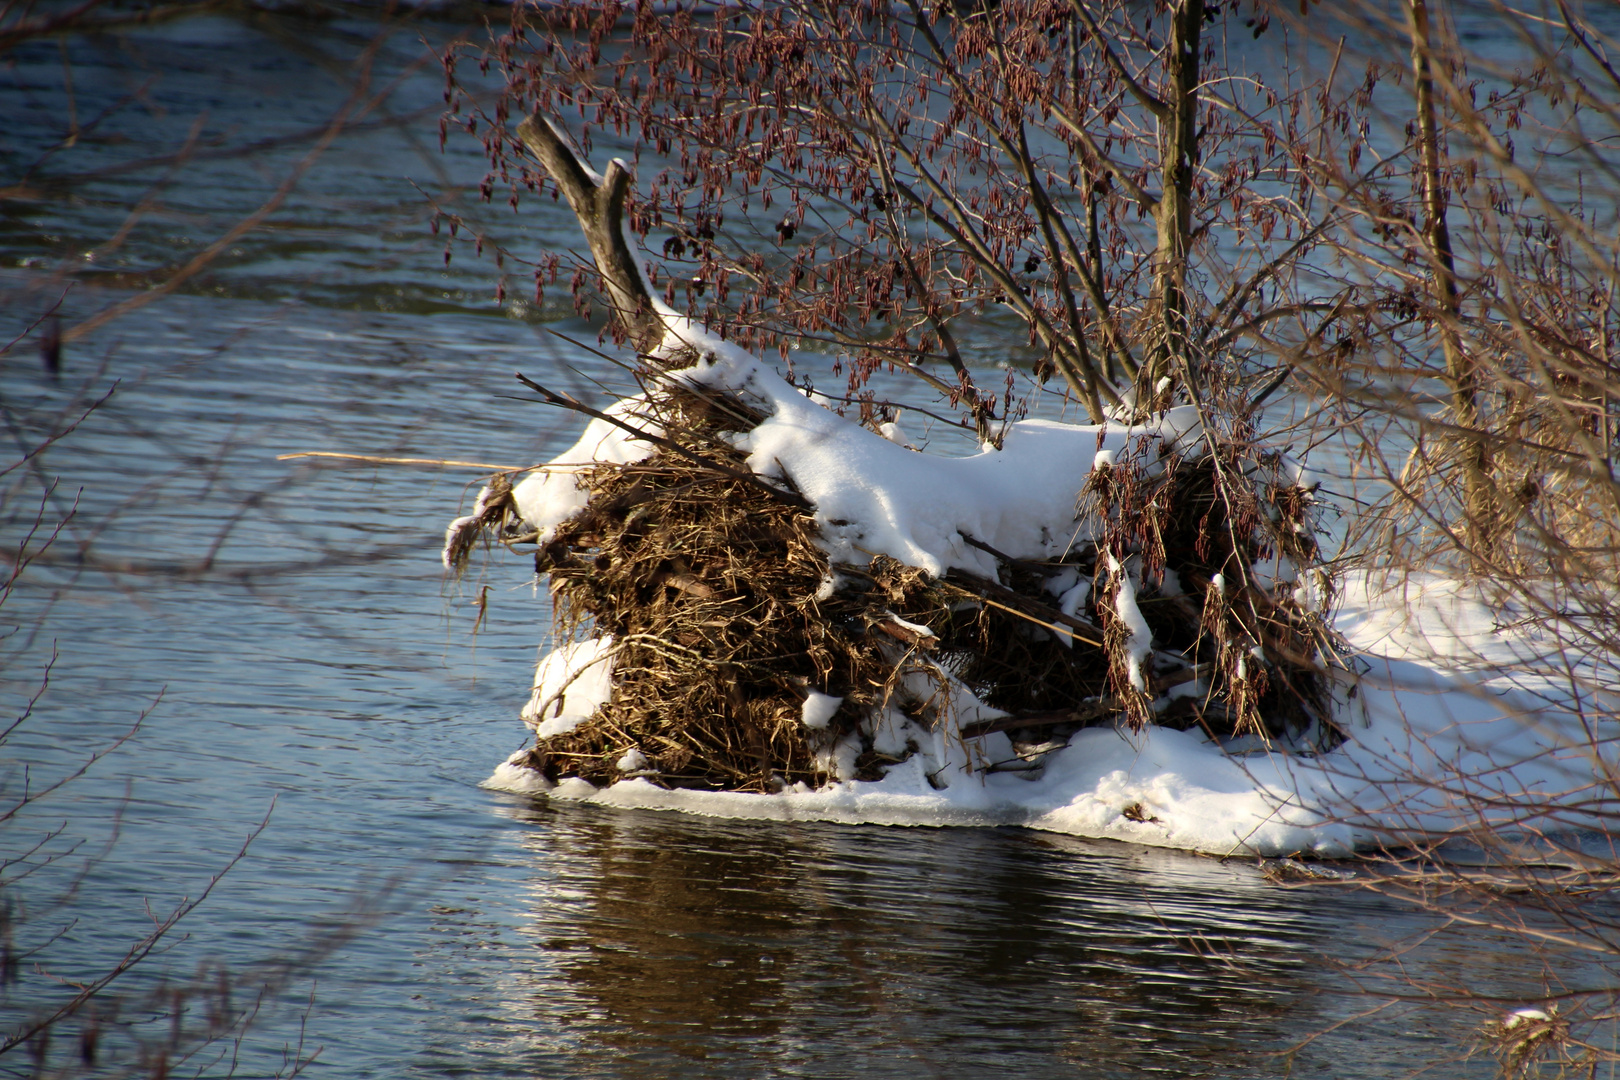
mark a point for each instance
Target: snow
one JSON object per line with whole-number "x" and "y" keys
{"x": 1140, "y": 642}
{"x": 838, "y": 760}
{"x": 554, "y": 493}
{"x": 896, "y": 434}
{"x": 511, "y": 775}
{"x": 480, "y": 504}
{"x": 1070, "y": 601}
{"x": 1420, "y": 740}
{"x": 818, "y": 710}
{"x": 1453, "y": 723}
{"x": 917, "y": 629}
{"x": 570, "y": 683}
{"x": 1525, "y": 1016}
{"x": 874, "y": 496}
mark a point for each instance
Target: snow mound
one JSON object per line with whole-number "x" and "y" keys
{"x": 874, "y": 495}
{"x": 570, "y": 683}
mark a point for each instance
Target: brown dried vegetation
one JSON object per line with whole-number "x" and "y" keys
{"x": 714, "y": 592}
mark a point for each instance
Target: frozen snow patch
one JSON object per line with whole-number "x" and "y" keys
{"x": 570, "y": 684}
{"x": 818, "y": 709}
{"x": 512, "y": 776}
{"x": 554, "y": 493}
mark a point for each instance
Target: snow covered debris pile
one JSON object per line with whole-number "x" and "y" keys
{"x": 767, "y": 596}
{"x": 765, "y": 610}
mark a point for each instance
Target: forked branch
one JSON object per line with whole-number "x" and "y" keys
{"x": 598, "y": 203}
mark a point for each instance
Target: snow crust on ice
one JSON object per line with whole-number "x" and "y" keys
{"x": 1448, "y": 707}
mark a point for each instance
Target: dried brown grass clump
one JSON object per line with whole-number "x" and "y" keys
{"x": 1231, "y": 654}
{"x": 1207, "y": 533}
{"x": 720, "y": 604}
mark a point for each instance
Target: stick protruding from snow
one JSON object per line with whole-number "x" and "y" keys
{"x": 598, "y": 202}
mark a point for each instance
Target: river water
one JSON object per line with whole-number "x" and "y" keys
{"x": 305, "y": 661}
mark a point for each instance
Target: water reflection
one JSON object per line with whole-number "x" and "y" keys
{"x": 798, "y": 949}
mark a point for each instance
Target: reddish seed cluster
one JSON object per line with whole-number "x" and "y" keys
{"x": 863, "y": 176}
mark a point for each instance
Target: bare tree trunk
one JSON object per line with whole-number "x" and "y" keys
{"x": 1178, "y": 164}
{"x": 1483, "y": 524}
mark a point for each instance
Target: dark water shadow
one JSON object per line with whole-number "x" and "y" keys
{"x": 670, "y": 944}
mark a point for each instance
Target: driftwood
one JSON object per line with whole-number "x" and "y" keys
{"x": 437, "y": 463}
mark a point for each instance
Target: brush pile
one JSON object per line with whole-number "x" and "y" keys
{"x": 742, "y": 657}
{"x": 753, "y": 594}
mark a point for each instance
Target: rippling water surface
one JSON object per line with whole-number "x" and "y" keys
{"x": 303, "y": 658}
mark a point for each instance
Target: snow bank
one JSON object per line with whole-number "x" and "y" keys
{"x": 1424, "y": 746}
{"x": 1420, "y": 741}
{"x": 875, "y": 496}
